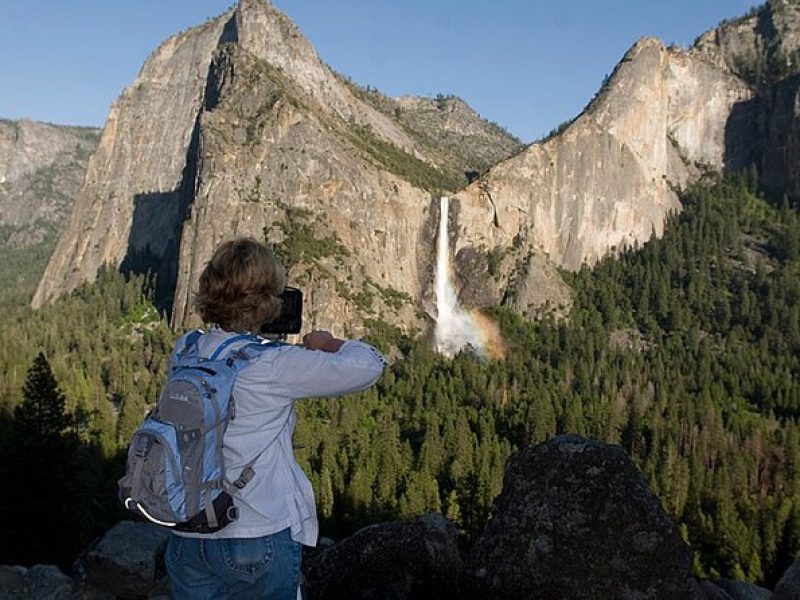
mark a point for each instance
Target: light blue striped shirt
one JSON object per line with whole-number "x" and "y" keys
{"x": 265, "y": 390}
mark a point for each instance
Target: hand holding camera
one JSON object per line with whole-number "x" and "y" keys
{"x": 290, "y": 321}
{"x": 322, "y": 340}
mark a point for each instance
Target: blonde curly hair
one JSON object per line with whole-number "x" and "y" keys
{"x": 240, "y": 285}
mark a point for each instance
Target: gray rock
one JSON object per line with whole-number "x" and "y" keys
{"x": 12, "y": 582}
{"x": 788, "y": 588}
{"x": 708, "y": 590}
{"x": 127, "y": 561}
{"x": 47, "y": 582}
{"x": 575, "y": 520}
{"x": 41, "y": 171}
{"x": 741, "y": 590}
{"x": 39, "y": 582}
{"x": 418, "y": 558}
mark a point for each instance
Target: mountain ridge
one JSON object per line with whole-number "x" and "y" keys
{"x": 607, "y": 181}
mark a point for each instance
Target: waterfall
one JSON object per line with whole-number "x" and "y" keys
{"x": 455, "y": 328}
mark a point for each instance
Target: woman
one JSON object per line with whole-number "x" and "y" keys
{"x": 258, "y": 555}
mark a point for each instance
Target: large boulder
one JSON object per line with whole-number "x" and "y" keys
{"x": 788, "y": 587}
{"x": 417, "y": 558}
{"x": 127, "y": 562}
{"x": 575, "y": 519}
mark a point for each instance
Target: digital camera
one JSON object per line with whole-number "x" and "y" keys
{"x": 291, "y": 318}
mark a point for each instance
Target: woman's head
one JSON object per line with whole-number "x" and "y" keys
{"x": 240, "y": 285}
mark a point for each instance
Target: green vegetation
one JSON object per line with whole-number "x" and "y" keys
{"x": 704, "y": 396}
{"x": 49, "y": 473}
{"x": 106, "y": 352}
{"x": 400, "y": 162}
{"x": 21, "y": 268}
{"x": 301, "y": 243}
{"x": 463, "y": 156}
{"x": 685, "y": 351}
{"x": 394, "y": 298}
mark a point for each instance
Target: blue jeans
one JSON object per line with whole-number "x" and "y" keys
{"x": 241, "y": 568}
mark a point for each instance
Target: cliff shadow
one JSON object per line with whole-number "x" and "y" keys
{"x": 743, "y": 135}
{"x": 155, "y": 236}
{"x": 778, "y": 164}
{"x": 154, "y": 243}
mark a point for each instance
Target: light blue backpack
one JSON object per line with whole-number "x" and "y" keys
{"x": 175, "y": 472}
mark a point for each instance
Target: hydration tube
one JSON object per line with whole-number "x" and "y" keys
{"x": 141, "y": 509}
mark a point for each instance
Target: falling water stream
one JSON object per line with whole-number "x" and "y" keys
{"x": 455, "y": 328}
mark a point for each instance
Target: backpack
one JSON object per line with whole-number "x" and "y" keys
{"x": 175, "y": 470}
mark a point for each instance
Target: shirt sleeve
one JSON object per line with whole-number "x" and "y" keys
{"x": 302, "y": 373}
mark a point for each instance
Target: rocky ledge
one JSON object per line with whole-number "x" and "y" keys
{"x": 574, "y": 520}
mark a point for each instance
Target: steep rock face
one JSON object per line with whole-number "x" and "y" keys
{"x": 41, "y": 171}
{"x": 780, "y": 163}
{"x": 236, "y": 127}
{"x": 139, "y": 169}
{"x": 271, "y": 36}
{"x": 763, "y": 49}
{"x": 273, "y": 162}
{"x": 608, "y": 180}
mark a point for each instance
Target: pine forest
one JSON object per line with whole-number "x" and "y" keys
{"x": 685, "y": 351}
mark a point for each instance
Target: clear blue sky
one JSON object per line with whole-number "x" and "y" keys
{"x": 525, "y": 64}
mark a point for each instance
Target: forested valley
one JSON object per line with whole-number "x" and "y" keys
{"x": 685, "y": 351}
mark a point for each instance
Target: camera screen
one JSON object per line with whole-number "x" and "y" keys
{"x": 291, "y": 318}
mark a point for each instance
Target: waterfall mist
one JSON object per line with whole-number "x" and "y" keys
{"x": 455, "y": 328}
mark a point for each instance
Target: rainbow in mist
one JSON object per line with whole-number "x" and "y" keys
{"x": 457, "y": 329}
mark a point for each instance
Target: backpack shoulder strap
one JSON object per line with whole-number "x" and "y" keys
{"x": 246, "y": 352}
{"x": 189, "y": 349}
{"x": 234, "y": 338}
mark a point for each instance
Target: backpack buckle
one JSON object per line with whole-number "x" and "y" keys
{"x": 232, "y": 512}
{"x": 244, "y": 477}
{"x": 142, "y": 447}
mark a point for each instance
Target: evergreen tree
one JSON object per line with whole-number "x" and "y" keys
{"x": 42, "y": 416}
{"x": 39, "y": 509}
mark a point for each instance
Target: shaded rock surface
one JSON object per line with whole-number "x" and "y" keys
{"x": 575, "y": 520}
{"x": 39, "y": 582}
{"x": 127, "y": 562}
{"x": 741, "y": 590}
{"x": 788, "y": 588}
{"x": 389, "y": 561}
{"x": 708, "y": 590}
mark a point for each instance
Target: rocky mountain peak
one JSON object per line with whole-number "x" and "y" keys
{"x": 760, "y": 47}
{"x": 271, "y": 36}
{"x": 237, "y": 127}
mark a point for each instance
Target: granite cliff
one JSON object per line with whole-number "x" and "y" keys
{"x": 609, "y": 178}
{"x": 237, "y": 127}
{"x": 41, "y": 172}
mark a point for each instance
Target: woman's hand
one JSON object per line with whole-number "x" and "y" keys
{"x": 322, "y": 340}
